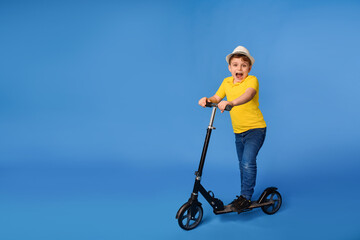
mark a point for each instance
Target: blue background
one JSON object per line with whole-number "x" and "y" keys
{"x": 101, "y": 131}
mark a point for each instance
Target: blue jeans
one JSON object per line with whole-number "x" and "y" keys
{"x": 248, "y": 145}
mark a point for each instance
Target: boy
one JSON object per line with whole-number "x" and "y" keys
{"x": 247, "y": 120}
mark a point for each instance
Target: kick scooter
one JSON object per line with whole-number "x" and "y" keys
{"x": 190, "y": 213}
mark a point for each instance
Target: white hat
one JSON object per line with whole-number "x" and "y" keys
{"x": 241, "y": 50}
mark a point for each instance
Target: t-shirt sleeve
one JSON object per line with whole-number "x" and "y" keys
{"x": 221, "y": 91}
{"x": 253, "y": 83}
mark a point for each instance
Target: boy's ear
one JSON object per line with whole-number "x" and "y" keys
{"x": 250, "y": 68}
{"x": 229, "y": 67}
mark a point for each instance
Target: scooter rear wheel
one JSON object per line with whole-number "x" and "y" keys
{"x": 190, "y": 217}
{"x": 273, "y": 208}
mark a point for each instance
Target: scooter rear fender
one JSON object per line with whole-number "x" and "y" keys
{"x": 266, "y": 191}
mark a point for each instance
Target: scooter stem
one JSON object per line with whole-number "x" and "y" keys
{"x": 212, "y": 118}
{"x": 206, "y": 143}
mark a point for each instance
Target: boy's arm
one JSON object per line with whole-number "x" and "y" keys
{"x": 213, "y": 99}
{"x": 244, "y": 98}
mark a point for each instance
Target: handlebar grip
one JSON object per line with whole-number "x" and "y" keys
{"x": 210, "y": 104}
{"x": 228, "y": 107}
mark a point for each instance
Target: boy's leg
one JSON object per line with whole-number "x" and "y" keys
{"x": 253, "y": 140}
{"x": 239, "y": 150}
{"x": 239, "y": 203}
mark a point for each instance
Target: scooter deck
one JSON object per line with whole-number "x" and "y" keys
{"x": 254, "y": 204}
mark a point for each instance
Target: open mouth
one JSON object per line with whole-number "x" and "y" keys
{"x": 239, "y": 75}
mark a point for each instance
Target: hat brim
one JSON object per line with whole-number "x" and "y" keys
{"x": 240, "y": 52}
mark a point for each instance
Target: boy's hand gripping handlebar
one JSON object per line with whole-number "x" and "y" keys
{"x": 210, "y": 104}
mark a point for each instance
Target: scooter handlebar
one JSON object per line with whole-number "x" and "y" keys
{"x": 210, "y": 104}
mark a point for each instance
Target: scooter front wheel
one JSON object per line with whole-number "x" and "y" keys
{"x": 275, "y": 197}
{"x": 190, "y": 216}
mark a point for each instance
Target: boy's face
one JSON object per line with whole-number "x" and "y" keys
{"x": 239, "y": 68}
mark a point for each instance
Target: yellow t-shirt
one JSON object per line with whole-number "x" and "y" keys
{"x": 246, "y": 116}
